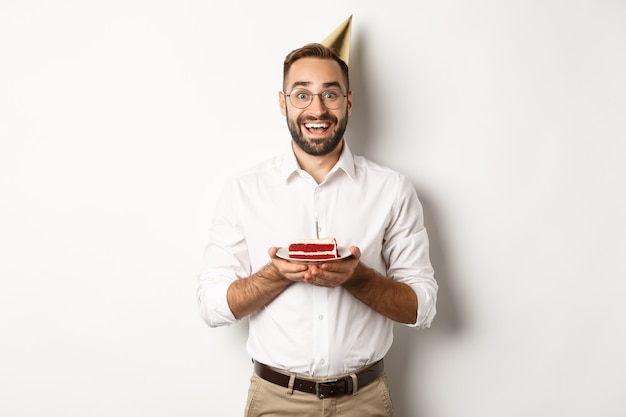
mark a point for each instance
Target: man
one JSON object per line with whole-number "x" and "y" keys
{"x": 318, "y": 332}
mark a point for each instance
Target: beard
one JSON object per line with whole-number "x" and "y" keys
{"x": 317, "y": 147}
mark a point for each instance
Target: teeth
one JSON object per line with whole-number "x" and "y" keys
{"x": 316, "y": 125}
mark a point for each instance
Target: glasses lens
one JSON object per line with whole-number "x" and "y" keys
{"x": 332, "y": 98}
{"x": 301, "y": 98}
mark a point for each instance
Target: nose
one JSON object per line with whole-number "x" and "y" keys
{"x": 317, "y": 105}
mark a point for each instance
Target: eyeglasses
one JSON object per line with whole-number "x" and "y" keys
{"x": 302, "y": 98}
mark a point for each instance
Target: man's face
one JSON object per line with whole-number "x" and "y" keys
{"x": 316, "y": 129}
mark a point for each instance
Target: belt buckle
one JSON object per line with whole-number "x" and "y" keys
{"x": 328, "y": 383}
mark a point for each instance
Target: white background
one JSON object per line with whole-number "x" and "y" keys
{"x": 120, "y": 120}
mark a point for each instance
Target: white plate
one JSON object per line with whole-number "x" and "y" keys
{"x": 343, "y": 254}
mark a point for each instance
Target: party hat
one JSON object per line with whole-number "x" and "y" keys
{"x": 339, "y": 40}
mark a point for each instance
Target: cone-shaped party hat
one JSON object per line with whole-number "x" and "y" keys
{"x": 339, "y": 40}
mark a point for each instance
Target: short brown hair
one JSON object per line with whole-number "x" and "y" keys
{"x": 315, "y": 50}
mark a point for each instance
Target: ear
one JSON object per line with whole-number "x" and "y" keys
{"x": 349, "y": 102}
{"x": 281, "y": 103}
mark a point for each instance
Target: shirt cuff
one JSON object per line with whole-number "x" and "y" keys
{"x": 214, "y": 308}
{"x": 426, "y": 308}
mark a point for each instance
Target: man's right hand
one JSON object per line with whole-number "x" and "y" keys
{"x": 290, "y": 270}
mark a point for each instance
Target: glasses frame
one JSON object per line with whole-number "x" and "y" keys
{"x": 313, "y": 96}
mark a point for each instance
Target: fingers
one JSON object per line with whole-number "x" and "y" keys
{"x": 331, "y": 274}
{"x": 327, "y": 274}
{"x": 290, "y": 270}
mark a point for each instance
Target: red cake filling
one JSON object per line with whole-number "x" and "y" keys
{"x": 314, "y": 249}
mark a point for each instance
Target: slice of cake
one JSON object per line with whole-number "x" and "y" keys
{"x": 314, "y": 249}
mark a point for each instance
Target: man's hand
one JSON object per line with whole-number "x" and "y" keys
{"x": 335, "y": 273}
{"x": 291, "y": 270}
{"x": 247, "y": 295}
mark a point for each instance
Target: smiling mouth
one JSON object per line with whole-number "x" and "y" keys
{"x": 317, "y": 127}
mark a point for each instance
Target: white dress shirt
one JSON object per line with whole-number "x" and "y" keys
{"x": 312, "y": 330}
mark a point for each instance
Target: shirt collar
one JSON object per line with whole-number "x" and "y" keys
{"x": 290, "y": 164}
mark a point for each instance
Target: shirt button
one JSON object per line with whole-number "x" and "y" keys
{"x": 322, "y": 361}
{"x": 321, "y": 317}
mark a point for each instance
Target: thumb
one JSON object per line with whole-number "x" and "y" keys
{"x": 356, "y": 252}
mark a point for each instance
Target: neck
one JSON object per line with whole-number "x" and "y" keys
{"x": 317, "y": 166}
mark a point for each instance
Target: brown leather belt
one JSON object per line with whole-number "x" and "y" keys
{"x": 323, "y": 389}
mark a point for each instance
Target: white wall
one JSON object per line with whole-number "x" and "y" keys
{"x": 119, "y": 121}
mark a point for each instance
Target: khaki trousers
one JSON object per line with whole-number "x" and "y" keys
{"x": 266, "y": 399}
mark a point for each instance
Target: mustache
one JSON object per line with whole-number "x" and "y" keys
{"x": 325, "y": 116}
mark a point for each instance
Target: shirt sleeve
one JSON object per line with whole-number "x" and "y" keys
{"x": 225, "y": 260}
{"x": 407, "y": 253}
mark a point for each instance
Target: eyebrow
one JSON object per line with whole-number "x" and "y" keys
{"x": 308, "y": 84}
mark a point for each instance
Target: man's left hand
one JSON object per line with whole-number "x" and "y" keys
{"x": 333, "y": 274}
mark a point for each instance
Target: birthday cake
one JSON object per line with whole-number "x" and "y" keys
{"x": 314, "y": 249}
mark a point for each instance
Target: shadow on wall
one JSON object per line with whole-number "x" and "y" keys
{"x": 402, "y": 360}
{"x": 361, "y": 137}
{"x": 359, "y": 132}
